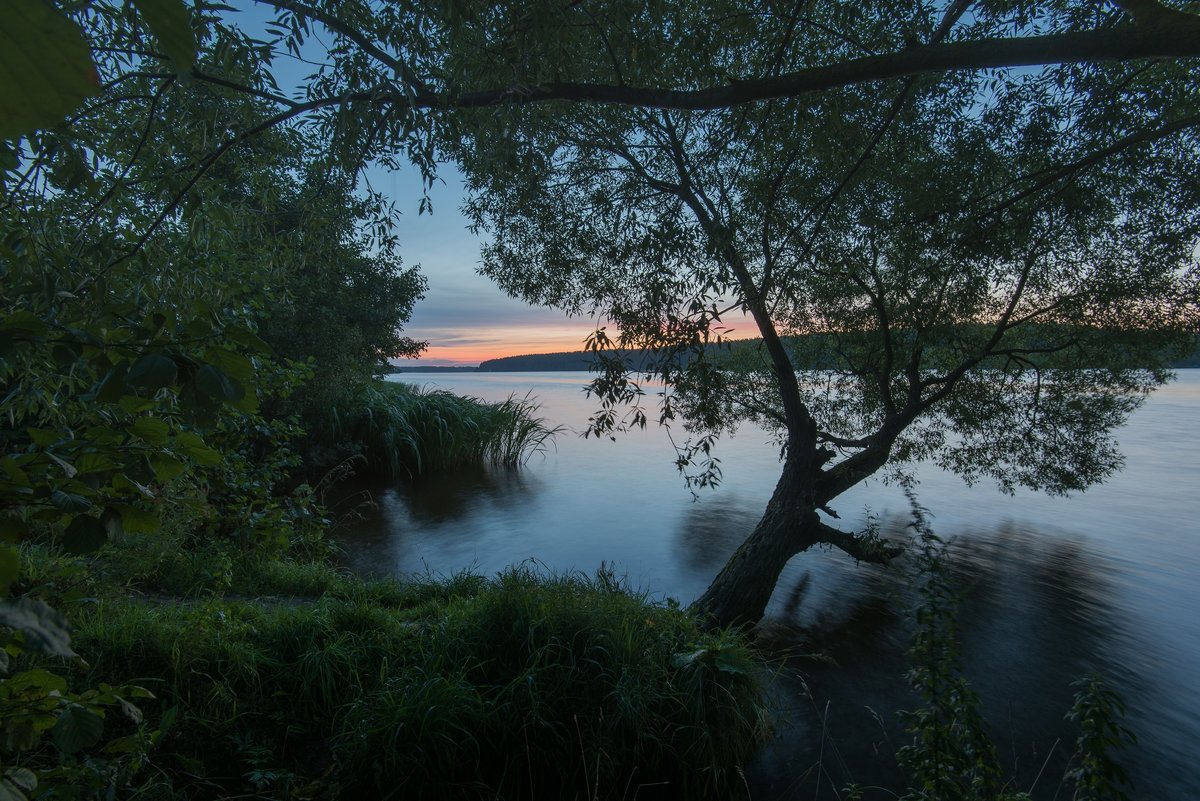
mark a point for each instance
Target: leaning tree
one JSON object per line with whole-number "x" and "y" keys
{"x": 989, "y": 259}
{"x": 989, "y": 269}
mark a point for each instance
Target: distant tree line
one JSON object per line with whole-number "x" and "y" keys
{"x": 812, "y": 352}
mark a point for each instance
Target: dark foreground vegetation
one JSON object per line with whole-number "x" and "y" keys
{"x": 209, "y": 671}
{"x": 307, "y": 683}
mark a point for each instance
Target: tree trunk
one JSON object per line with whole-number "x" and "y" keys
{"x": 740, "y": 592}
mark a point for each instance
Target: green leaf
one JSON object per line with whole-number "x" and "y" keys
{"x": 170, "y": 23}
{"x": 22, "y": 777}
{"x": 123, "y": 483}
{"x": 152, "y": 371}
{"x": 14, "y": 472}
{"x": 129, "y": 744}
{"x": 166, "y": 467}
{"x": 151, "y": 429}
{"x": 69, "y": 501}
{"x": 113, "y": 386}
{"x": 72, "y": 171}
{"x": 92, "y": 462}
{"x": 45, "y": 629}
{"x": 22, "y": 320}
{"x": 43, "y": 437}
{"x": 727, "y": 662}
{"x": 135, "y": 405}
{"x": 77, "y": 728}
{"x": 46, "y": 68}
{"x": 131, "y": 711}
{"x": 10, "y": 568}
{"x": 247, "y": 338}
{"x": 20, "y": 734}
{"x": 138, "y": 521}
{"x": 9, "y": 791}
{"x": 236, "y": 365}
{"x": 192, "y": 445}
{"x": 86, "y": 534}
{"x": 66, "y": 354}
{"x": 248, "y": 403}
{"x": 66, "y": 466}
{"x": 682, "y": 660}
{"x": 42, "y": 682}
{"x": 215, "y": 384}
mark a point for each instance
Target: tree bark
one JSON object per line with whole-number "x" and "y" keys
{"x": 739, "y": 595}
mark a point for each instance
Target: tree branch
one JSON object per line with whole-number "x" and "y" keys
{"x": 1178, "y": 39}
{"x": 862, "y": 548}
{"x": 331, "y": 22}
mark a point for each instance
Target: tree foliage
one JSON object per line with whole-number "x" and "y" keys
{"x": 138, "y": 275}
{"x": 344, "y": 294}
{"x": 998, "y": 265}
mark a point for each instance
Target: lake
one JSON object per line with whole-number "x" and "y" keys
{"x": 1107, "y": 580}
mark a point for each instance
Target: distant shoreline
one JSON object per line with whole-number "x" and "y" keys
{"x": 577, "y": 361}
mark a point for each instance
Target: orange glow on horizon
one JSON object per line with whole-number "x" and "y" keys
{"x": 465, "y": 346}
{"x": 455, "y": 349}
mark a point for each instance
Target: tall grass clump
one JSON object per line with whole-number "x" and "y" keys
{"x": 406, "y": 430}
{"x": 521, "y": 686}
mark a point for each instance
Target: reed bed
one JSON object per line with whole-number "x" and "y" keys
{"x": 405, "y": 430}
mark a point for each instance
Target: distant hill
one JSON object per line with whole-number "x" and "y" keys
{"x": 539, "y": 362}
{"x": 554, "y": 362}
{"x": 814, "y": 351}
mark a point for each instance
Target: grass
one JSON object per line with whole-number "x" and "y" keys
{"x": 406, "y": 430}
{"x": 311, "y": 683}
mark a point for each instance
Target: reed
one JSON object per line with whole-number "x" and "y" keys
{"x": 405, "y": 431}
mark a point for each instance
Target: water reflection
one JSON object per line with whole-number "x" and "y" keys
{"x": 1054, "y": 586}
{"x": 436, "y": 500}
{"x": 711, "y": 531}
{"x": 1032, "y": 619}
{"x": 427, "y": 524}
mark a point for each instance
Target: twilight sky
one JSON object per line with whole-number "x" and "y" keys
{"x": 464, "y": 316}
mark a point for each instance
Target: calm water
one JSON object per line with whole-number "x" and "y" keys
{"x": 1107, "y": 580}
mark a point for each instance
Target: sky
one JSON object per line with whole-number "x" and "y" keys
{"x": 464, "y": 317}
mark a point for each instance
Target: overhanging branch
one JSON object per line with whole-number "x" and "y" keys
{"x": 1180, "y": 38}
